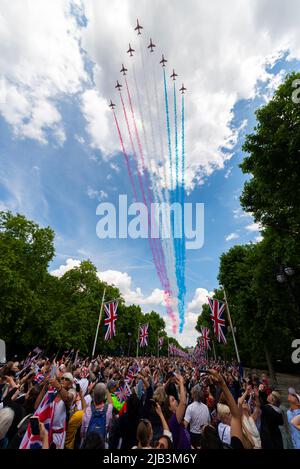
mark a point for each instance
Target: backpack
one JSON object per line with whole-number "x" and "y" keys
{"x": 98, "y": 421}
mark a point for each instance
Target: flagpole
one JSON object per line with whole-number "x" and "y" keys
{"x": 214, "y": 350}
{"x": 231, "y": 327}
{"x": 158, "y": 345}
{"x": 137, "y": 342}
{"x": 168, "y": 348}
{"x": 99, "y": 320}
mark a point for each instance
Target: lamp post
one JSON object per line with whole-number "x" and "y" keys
{"x": 129, "y": 340}
{"x": 284, "y": 276}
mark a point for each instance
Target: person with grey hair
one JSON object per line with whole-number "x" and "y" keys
{"x": 98, "y": 414}
{"x": 196, "y": 415}
{"x": 6, "y": 419}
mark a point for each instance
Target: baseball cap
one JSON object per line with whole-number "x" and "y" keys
{"x": 293, "y": 393}
{"x": 111, "y": 384}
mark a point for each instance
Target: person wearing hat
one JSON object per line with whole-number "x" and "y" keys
{"x": 112, "y": 387}
{"x": 293, "y": 416}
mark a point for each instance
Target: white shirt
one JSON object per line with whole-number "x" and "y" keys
{"x": 197, "y": 415}
{"x": 224, "y": 433}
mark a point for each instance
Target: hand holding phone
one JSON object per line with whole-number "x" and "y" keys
{"x": 34, "y": 425}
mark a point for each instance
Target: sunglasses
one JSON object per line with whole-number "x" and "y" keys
{"x": 65, "y": 379}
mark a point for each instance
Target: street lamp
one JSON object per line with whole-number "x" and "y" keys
{"x": 129, "y": 339}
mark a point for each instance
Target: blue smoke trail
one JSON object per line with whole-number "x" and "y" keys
{"x": 169, "y": 133}
{"x": 178, "y": 241}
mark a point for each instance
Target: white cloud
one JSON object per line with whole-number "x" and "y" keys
{"x": 97, "y": 115}
{"x": 94, "y": 194}
{"x": 40, "y": 62}
{"x": 70, "y": 264}
{"x": 254, "y": 227}
{"x": 239, "y": 213}
{"x": 193, "y": 310}
{"x": 258, "y": 239}
{"x": 231, "y": 237}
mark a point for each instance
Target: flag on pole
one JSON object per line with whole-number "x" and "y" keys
{"x": 217, "y": 309}
{"x": 205, "y": 337}
{"x": 144, "y": 335}
{"x": 110, "y": 319}
{"x": 160, "y": 342}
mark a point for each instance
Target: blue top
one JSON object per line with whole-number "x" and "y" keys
{"x": 295, "y": 434}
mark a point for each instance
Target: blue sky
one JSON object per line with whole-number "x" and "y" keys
{"x": 58, "y": 162}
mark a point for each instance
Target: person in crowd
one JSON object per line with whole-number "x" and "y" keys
{"x": 293, "y": 416}
{"x": 271, "y": 420}
{"x": 250, "y": 430}
{"x": 144, "y": 435}
{"x": 175, "y": 411}
{"x": 197, "y": 415}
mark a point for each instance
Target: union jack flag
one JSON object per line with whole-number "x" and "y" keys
{"x": 217, "y": 309}
{"x": 132, "y": 371}
{"x": 144, "y": 335}
{"x": 110, "y": 320}
{"x": 205, "y": 337}
{"x": 45, "y": 413}
{"x": 160, "y": 342}
{"x": 123, "y": 392}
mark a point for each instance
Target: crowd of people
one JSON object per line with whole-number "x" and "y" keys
{"x": 70, "y": 402}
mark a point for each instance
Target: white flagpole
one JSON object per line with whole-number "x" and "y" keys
{"x": 137, "y": 342}
{"x": 99, "y": 320}
{"x": 231, "y": 327}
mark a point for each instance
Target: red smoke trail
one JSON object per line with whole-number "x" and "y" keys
{"x": 126, "y": 157}
{"x": 156, "y": 261}
{"x": 156, "y": 242}
{"x": 148, "y": 184}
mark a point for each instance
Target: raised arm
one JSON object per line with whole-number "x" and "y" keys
{"x": 180, "y": 411}
{"x": 236, "y": 421}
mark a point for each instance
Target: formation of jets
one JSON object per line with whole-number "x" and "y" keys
{"x": 130, "y": 51}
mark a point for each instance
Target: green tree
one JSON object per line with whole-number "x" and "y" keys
{"x": 273, "y": 193}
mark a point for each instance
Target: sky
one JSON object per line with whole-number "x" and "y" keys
{"x": 60, "y": 155}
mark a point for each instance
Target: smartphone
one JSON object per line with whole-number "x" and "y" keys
{"x": 77, "y": 387}
{"x": 53, "y": 372}
{"x": 34, "y": 425}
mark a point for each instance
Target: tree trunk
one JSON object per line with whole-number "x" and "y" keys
{"x": 273, "y": 379}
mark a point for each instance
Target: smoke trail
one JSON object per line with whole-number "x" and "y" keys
{"x": 169, "y": 132}
{"x": 176, "y": 145}
{"x": 126, "y": 157}
{"x": 164, "y": 194}
{"x": 157, "y": 253}
{"x": 156, "y": 262}
{"x": 183, "y": 253}
{"x": 178, "y": 242}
